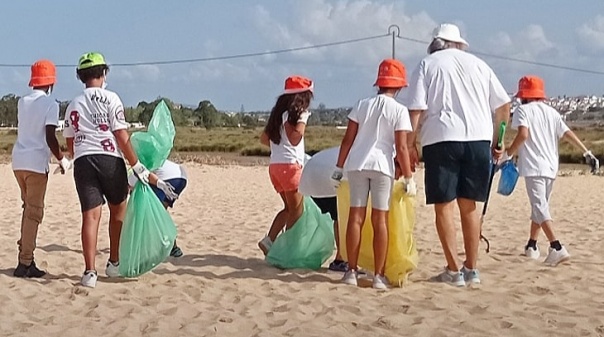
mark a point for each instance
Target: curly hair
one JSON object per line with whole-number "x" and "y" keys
{"x": 294, "y": 104}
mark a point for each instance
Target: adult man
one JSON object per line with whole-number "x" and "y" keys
{"x": 454, "y": 93}
{"x": 38, "y": 116}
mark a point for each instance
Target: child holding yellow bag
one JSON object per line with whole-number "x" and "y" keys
{"x": 374, "y": 139}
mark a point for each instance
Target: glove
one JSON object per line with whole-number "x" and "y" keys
{"x": 141, "y": 172}
{"x": 304, "y": 117}
{"x": 336, "y": 177}
{"x": 65, "y": 164}
{"x": 167, "y": 189}
{"x": 410, "y": 186}
{"x": 592, "y": 161}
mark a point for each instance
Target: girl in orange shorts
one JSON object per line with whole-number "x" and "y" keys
{"x": 284, "y": 133}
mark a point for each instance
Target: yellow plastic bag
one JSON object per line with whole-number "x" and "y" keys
{"x": 402, "y": 257}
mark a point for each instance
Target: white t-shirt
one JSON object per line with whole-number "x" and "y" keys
{"x": 316, "y": 175}
{"x": 285, "y": 152}
{"x": 91, "y": 119}
{"x": 538, "y": 156}
{"x": 373, "y": 148}
{"x": 460, "y": 94}
{"x": 34, "y": 112}
{"x": 169, "y": 170}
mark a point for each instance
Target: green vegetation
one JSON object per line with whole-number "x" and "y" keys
{"x": 245, "y": 141}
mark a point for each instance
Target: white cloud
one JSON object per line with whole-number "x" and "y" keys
{"x": 147, "y": 73}
{"x": 530, "y": 43}
{"x": 591, "y": 36}
{"x": 312, "y": 22}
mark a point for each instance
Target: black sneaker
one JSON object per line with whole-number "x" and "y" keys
{"x": 28, "y": 271}
{"x": 176, "y": 252}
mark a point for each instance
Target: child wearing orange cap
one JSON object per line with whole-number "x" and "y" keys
{"x": 536, "y": 144}
{"x": 284, "y": 134}
{"x": 374, "y": 140}
{"x": 38, "y": 117}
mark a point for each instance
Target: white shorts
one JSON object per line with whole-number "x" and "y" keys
{"x": 539, "y": 190}
{"x": 363, "y": 182}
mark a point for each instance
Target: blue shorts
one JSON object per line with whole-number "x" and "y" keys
{"x": 179, "y": 185}
{"x": 457, "y": 170}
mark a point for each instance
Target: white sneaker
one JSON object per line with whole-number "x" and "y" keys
{"x": 454, "y": 278}
{"x": 556, "y": 256}
{"x": 89, "y": 279}
{"x": 350, "y": 277}
{"x": 470, "y": 275}
{"x": 380, "y": 282}
{"x": 532, "y": 253}
{"x": 113, "y": 269}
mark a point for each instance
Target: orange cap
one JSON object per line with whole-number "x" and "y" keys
{"x": 43, "y": 73}
{"x": 531, "y": 87}
{"x": 296, "y": 84}
{"x": 391, "y": 74}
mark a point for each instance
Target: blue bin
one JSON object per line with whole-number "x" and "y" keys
{"x": 508, "y": 179}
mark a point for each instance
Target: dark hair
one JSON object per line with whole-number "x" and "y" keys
{"x": 294, "y": 104}
{"x": 88, "y": 74}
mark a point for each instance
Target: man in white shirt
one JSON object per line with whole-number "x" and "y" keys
{"x": 539, "y": 129}
{"x": 38, "y": 117}
{"x": 453, "y": 94}
{"x": 96, "y": 134}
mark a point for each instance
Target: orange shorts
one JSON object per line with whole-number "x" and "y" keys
{"x": 285, "y": 177}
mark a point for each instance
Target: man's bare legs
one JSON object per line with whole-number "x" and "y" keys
{"x": 447, "y": 233}
{"x": 470, "y": 225}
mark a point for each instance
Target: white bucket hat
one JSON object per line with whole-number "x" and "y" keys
{"x": 449, "y": 32}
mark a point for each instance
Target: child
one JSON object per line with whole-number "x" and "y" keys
{"x": 284, "y": 133}
{"x": 167, "y": 182}
{"x": 38, "y": 116}
{"x": 96, "y": 134}
{"x": 375, "y": 137}
{"x": 315, "y": 182}
{"x": 539, "y": 129}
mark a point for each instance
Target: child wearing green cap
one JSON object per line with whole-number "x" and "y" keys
{"x": 97, "y": 136}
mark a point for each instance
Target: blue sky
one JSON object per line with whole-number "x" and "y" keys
{"x": 558, "y": 32}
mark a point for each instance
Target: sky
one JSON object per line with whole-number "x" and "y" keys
{"x": 559, "y": 32}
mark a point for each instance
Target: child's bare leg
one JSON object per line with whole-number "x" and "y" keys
{"x": 535, "y": 229}
{"x": 548, "y": 231}
{"x": 379, "y": 221}
{"x": 116, "y": 220}
{"x": 279, "y": 220}
{"x": 336, "y": 231}
{"x": 356, "y": 219}
{"x": 90, "y": 231}
{"x": 295, "y": 207}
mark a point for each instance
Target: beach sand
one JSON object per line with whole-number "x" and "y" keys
{"x": 223, "y": 287}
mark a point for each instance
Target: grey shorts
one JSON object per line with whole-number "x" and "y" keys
{"x": 363, "y": 182}
{"x": 539, "y": 190}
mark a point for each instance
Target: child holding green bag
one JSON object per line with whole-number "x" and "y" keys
{"x": 97, "y": 136}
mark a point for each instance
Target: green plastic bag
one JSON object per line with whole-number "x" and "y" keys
{"x": 149, "y": 232}
{"x": 308, "y": 244}
{"x": 153, "y": 146}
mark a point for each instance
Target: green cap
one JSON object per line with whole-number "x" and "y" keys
{"x": 89, "y": 60}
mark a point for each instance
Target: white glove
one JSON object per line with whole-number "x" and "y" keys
{"x": 410, "y": 187}
{"x": 141, "y": 172}
{"x": 65, "y": 164}
{"x": 336, "y": 177}
{"x": 167, "y": 189}
{"x": 592, "y": 161}
{"x": 304, "y": 117}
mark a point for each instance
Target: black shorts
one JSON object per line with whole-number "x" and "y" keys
{"x": 99, "y": 177}
{"x": 328, "y": 205}
{"x": 457, "y": 170}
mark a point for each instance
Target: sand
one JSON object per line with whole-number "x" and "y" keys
{"x": 223, "y": 287}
